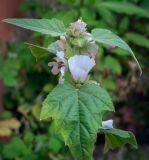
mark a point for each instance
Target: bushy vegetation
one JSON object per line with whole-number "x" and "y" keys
{"x": 27, "y": 82}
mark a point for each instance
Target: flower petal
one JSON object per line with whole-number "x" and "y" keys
{"x": 107, "y": 124}
{"x": 79, "y": 66}
{"x": 60, "y": 55}
{"x": 55, "y": 67}
{"x": 62, "y": 70}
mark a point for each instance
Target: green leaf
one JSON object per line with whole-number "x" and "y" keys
{"x": 37, "y": 51}
{"x": 53, "y": 27}
{"x": 55, "y": 145}
{"x": 119, "y": 52}
{"x": 67, "y": 16}
{"x": 15, "y": 148}
{"x": 109, "y": 83}
{"x": 115, "y": 138}
{"x": 107, "y": 16}
{"x": 113, "y": 64}
{"x": 125, "y": 7}
{"x": 109, "y": 38}
{"x": 77, "y": 113}
{"x": 124, "y": 24}
{"x": 138, "y": 39}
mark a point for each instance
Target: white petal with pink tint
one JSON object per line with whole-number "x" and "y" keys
{"x": 60, "y": 55}
{"x": 79, "y": 66}
{"x": 55, "y": 68}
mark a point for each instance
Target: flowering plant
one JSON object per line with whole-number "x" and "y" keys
{"x": 78, "y": 105}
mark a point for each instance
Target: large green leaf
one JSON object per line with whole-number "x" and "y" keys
{"x": 77, "y": 113}
{"x": 107, "y": 37}
{"x": 125, "y": 7}
{"x": 115, "y": 138}
{"x": 53, "y": 27}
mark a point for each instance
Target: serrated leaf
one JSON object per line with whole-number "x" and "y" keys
{"x": 53, "y": 27}
{"x": 107, "y": 37}
{"x": 115, "y": 138}
{"x": 125, "y": 7}
{"x": 138, "y": 39}
{"x": 77, "y": 113}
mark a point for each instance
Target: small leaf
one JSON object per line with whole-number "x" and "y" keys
{"x": 77, "y": 113}
{"x": 109, "y": 83}
{"x": 107, "y": 37}
{"x": 107, "y": 16}
{"x": 53, "y": 27}
{"x": 115, "y": 138}
{"x": 138, "y": 39}
{"x": 125, "y": 7}
{"x": 55, "y": 144}
{"x": 113, "y": 64}
{"x": 119, "y": 52}
{"x": 36, "y": 111}
{"x": 15, "y": 148}
{"x": 37, "y": 51}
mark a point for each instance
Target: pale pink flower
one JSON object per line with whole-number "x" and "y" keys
{"x": 79, "y": 26}
{"x": 58, "y": 66}
{"x": 79, "y": 66}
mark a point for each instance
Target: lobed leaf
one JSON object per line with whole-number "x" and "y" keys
{"x": 115, "y": 138}
{"x": 77, "y": 113}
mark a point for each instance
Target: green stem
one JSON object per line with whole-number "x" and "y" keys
{"x": 81, "y": 6}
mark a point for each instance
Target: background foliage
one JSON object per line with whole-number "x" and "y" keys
{"x": 27, "y": 82}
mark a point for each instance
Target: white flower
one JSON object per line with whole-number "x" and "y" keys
{"x": 55, "y": 67}
{"x": 107, "y": 124}
{"x": 79, "y": 66}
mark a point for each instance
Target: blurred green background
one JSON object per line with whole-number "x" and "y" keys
{"x": 25, "y": 82}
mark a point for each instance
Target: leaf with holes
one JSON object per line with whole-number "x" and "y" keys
{"x": 77, "y": 113}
